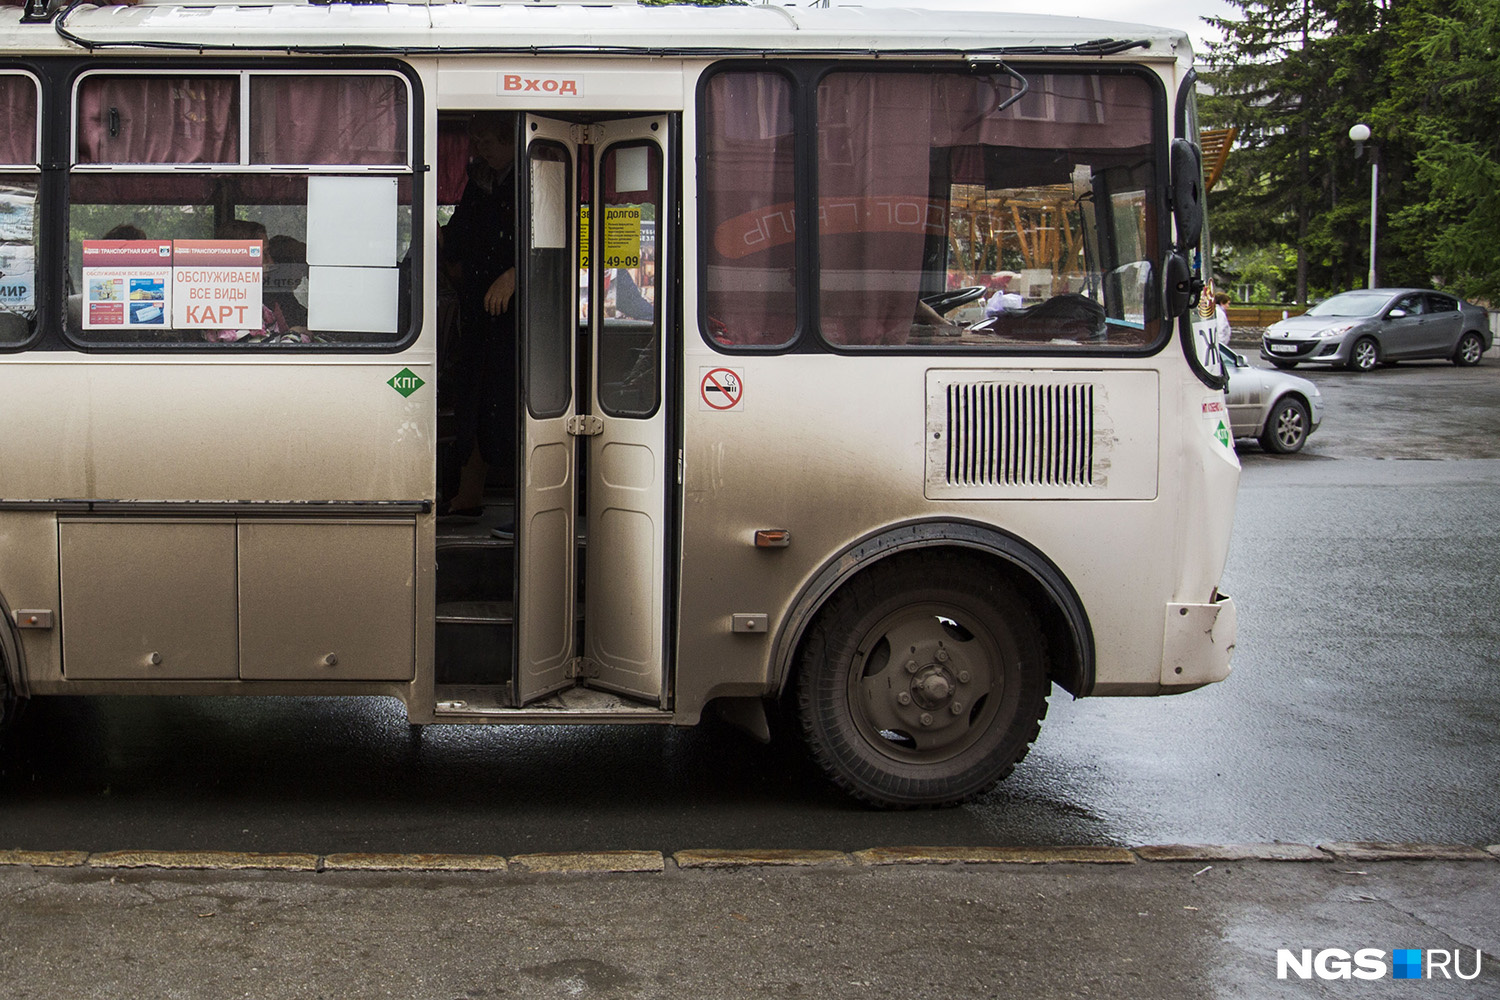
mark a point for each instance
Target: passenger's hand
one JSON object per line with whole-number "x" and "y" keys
{"x": 501, "y": 291}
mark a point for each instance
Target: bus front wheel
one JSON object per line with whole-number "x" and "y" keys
{"x": 922, "y": 682}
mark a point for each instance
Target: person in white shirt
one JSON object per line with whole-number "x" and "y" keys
{"x": 1221, "y": 318}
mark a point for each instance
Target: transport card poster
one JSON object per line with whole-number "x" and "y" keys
{"x": 126, "y": 284}
{"x": 216, "y": 284}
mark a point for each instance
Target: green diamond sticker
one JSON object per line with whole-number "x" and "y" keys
{"x": 1222, "y": 433}
{"x": 406, "y": 382}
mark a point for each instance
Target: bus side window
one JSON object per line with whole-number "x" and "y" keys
{"x": 746, "y": 190}
{"x": 294, "y": 236}
{"x": 934, "y": 191}
{"x": 19, "y": 171}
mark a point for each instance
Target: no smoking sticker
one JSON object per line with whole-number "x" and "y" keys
{"x": 721, "y": 389}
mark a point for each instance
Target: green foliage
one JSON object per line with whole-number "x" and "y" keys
{"x": 1424, "y": 75}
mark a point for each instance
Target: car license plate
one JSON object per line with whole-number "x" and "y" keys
{"x": 1283, "y": 348}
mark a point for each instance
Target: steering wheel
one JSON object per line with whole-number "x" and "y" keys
{"x": 946, "y": 302}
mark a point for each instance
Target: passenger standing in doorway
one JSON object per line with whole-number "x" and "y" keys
{"x": 481, "y": 237}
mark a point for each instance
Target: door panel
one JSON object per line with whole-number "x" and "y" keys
{"x": 1402, "y": 336}
{"x": 627, "y": 490}
{"x": 1444, "y": 325}
{"x": 546, "y": 503}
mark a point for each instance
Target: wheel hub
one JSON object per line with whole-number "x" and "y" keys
{"x": 932, "y": 687}
{"x": 933, "y": 697}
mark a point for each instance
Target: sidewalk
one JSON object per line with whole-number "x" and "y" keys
{"x": 1160, "y": 923}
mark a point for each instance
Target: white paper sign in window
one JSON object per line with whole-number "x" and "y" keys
{"x": 549, "y": 190}
{"x": 351, "y": 221}
{"x": 356, "y": 299}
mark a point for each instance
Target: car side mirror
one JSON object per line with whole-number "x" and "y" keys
{"x": 1187, "y": 193}
{"x": 1396, "y": 314}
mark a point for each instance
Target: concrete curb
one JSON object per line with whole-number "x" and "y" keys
{"x": 1231, "y": 852}
{"x": 1365, "y": 850}
{"x": 217, "y": 860}
{"x": 654, "y": 862}
{"x": 994, "y": 855}
{"x": 711, "y": 858}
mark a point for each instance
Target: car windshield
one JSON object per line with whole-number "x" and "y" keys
{"x": 1350, "y": 304}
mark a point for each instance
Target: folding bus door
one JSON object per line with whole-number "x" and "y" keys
{"x": 628, "y": 459}
{"x": 547, "y": 501}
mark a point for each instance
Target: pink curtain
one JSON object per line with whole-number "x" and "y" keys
{"x": 168, "y": 119}
{"x": 874, "y": 144}
{"x": 17, "y": 119}
{"x": 746, "y": 191}
{"x": 327, "y": 119}
{"x": 142, "y": 189}
{"x": 452, "y": 162}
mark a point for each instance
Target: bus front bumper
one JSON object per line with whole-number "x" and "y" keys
{"x": 1198, "y": 644}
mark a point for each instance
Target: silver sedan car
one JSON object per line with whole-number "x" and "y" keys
{"x": 1360, "y": 330}
{"x": 1278, "y": 409}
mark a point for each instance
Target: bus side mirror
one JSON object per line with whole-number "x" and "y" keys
{"x": 1187, "y": 193}
{"x": 1180, "y": 286}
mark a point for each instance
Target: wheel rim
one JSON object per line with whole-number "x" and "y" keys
{"x": 1471, "y": 349}
{"x": 1290, "y": 428}
{"x": 925, "y": 683}
{"x": 1364, "y": 355}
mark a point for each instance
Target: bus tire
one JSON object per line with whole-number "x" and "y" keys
{"x": 923, "y": 681}
{"x": 10, "y": 705}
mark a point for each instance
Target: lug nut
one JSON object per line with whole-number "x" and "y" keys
{"x": 963, "y": 677}
{"x": 911, "y": 666}
{"x": 957, "y": 708}
{"x": 942, "y": 655}
{"x": 904, "y": 698}
{"x": 926, "y": 719}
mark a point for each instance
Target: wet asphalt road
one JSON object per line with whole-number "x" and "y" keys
{"x": 1364, "y": 706}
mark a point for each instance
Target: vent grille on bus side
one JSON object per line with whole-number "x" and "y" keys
{"x": 1003, "y": 434}
{"x": 1041, "y": 434}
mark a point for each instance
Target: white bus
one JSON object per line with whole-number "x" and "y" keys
{"x": 850, "y": 368}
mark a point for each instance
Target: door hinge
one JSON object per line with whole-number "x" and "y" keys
{"x": 581, "y": 667}
{"x": 586, "y": 135}
{"x": 585, "y": 425}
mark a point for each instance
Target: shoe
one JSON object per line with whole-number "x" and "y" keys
{"x": 446, "y": 512}
{"x": 506, "y": 532}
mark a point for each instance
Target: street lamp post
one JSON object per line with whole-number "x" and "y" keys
{"x": 1361, "y": 134}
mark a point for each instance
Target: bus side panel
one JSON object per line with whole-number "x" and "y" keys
{"x": 233, "y": 429}
{"x": 29, "y": 582}
{"x": 832, "y": 449}
{"x": 96, "y": 436}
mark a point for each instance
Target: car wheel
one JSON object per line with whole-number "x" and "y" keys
{"x": 1470, "y": 349}
{"x": 922, "y": 682}
{"x": 1285, "y": 366}
{"x": 1286, "y": 427}
{"x": 1365, "y": 355}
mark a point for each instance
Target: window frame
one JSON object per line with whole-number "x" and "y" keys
{"x": 245, "y": 76}
{"x": 36, "y": 163}
{"x": 805, "y": 77}
{"x": 412, "y": 285}
{"x": 794, "y": 75}
{"x": 34, "y": 171}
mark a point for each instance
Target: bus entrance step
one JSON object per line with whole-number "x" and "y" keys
{"x": 476, "y": 613}
{"x": 474, "y": 569}
{"x": 474, "y": 642}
